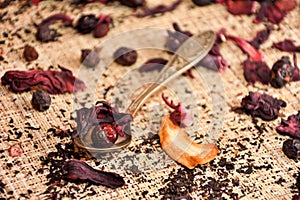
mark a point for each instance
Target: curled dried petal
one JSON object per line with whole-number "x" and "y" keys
{"x": 54, "y": 82}
{"x": 99, "y": 126}
{"x": 159, "y": 9}
{"x": 256, "y": 71}
{"x": 153, "y": 64}
{"x": 78, "y": 170}
{"x": 180, "y": 115}
{"x": 291, "y": 126}
{"x": 287, "y": 45}
{"x": 262, "y": 105}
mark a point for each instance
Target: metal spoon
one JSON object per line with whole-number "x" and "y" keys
{"x": 192, "y": 51}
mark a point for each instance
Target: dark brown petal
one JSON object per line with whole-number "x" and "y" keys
{"x": 287, "y": 45}
{"x": 78, "y": 170}
{"x": 291, "y": 126}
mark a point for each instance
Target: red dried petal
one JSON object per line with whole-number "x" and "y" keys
{"x": 35, "y": 2}
{"x": 159, "y": 9}
{"x": 253, "y": 53}
{"x": 256, "y": 71}
{"x": 275, "y": 11}
{"x": 180, "y": 115}
{"x": 262, "y": 105}
{"x": 291, "y": 126}
{"x": 153, "y": 64}
{"x": 241, "y": 7}
{"x": 54, "y": 82}
{"x": 78, "y": 170}
{"x": 261, "y": 37}
{"x": 287, "y": 45}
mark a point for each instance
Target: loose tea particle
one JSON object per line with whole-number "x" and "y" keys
{"x": 79, "y": 170}
{"x": 203, "y": 2}
{"x": 41, "y": 100}
{"x": 125, "y": 56}
{"x": 30, "y": 53}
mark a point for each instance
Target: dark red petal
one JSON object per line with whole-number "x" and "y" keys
{"x": 179, "y": 116}
{"x": 54, "y": 82}
{"x": 287, "y": 45}
{"x": 241, "y": 7}
{"x": 253, "y": 53}
{"x": 76, "y": 169}
{"x": 153, "y": 64}
{"x": 296, "y": 76}
{"x": 256, "y": 71}
{"x": 159, "y": 9}
{"x": 261, "y": 37}
{"x": 291, "y": 126}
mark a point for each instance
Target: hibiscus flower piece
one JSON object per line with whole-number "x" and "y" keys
{"x": 54, "y": 82}
{"x": 287, "y": 45}
{"x": 291, "y": 126}
{"x": 79, "y": 170}
{"x": 256, "y": 71}
{"x": 153, "y": 64}
{"x": 262, "y": 105}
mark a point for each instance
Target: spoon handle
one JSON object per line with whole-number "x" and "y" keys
{"x": 192, "y": 51}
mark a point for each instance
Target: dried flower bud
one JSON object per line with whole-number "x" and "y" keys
{"x": 282, "y": 72}
{"x": 15, "y": 150}
{"x": 41, "y": 100}
{"x": 290, "y": 148}
{"x": 89, "y": 58}
{"x": 30, "y": 53}
{"x": 86, "y": 23}
{"x": 125, "y": 56}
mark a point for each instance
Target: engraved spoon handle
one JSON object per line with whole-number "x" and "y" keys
{"x": 193, "y": 50}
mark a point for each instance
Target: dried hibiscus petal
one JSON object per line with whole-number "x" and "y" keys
{"x": 160, "y": 9}
{"x": 78, "y": 170}
{"x": 153, "y": 64}
{"x": 213, "y": 60}
{"x": 101, "y": 125}
{"x": 175, "y": 39}
{"x": 239, "y": 7}
{"x": 44, "y": 33}
{"x": 54, "y": 82}
{"x": 253, "y": 53}
{"x": 287, "y": 45}
{"x": 256, "y": 71}
{"x": 274, "y": 10}
{"x": 180, "y": 115}
{"x": 262, "y": 105}
{"x": 261, "y": 37}
{"x": 291, "y": 126}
